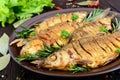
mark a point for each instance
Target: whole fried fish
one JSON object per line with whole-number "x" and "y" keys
{"x": 60, "y": 18}
{"x": 50, "y": 37}
{"x": 92, "y": 28}
{"x": 93, "y": 51}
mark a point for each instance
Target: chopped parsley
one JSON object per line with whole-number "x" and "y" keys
{"x": 103, "y": 29}
{"x": 75, "y": 17}
{"x": 118, "y": 50}
{"x": 33, "y": 33}
{"x": 57, "y": 14}
{"x": 65, "y": 34}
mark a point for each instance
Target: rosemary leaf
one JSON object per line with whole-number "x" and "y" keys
{"x": 116, "y": 25}
{"x": 28, "y": 56}
{"x": 93, "y": 15}
{"x": 76, "y": 69}
{"x": 24, "y": 33}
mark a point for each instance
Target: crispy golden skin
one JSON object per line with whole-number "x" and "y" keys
{"x": 49, "y": 36}
{"x": 93, "y": 51}
{"x": 60, "y": 19}
{"x": 92, "y": 28}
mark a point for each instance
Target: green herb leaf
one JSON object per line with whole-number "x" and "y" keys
{"x": 4, "y": 61}
{"x": 24, "y": 33}
{"x": 33, "y": 33}
{"x": 40, "y": 54}
{"x": 75, "y": 17}
{"x": 115, "y": 26}
{"x": 103, "y": 29}
{"x": 57, "y": 14}
{"x": 4, "y": 42}
{"x": 28, "y": 56}
{"x": 118, "y": 50}
{"x": 76, "y": 69}
{"x": 10, "y": 10}
{"x": 20, "y": 58}
{"x": 47, "y": 51}
{"x": 93, "y": 15}
{"x": 65, "y": 34}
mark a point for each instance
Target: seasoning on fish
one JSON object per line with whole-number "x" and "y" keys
{"x": 61, "y": 18}
{"x": 49, "y": 36}
{"x": 93, "y": 28}
{"x": 93, "y": 51}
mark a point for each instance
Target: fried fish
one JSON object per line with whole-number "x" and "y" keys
{"x": 60, "y": 18}
{"x": 50, "y": 37}
{"x": 93, "y": 51}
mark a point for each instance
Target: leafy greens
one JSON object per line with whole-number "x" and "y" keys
{"x": 10, "y": 10}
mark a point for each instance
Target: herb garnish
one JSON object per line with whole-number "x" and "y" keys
{"x": 75, "y": 17}
{"x": 76, "y": 69}
{"x": 24, "y": 33}
{"x": 93, "y": 15}
{"x": 28, "y": 56}
{"x": 118, "y": 50}
{"x": 33, "y": 33}
{"x": 57, "y": 14}
{"x": 115, "y": 26}
{"x": 103, "y": 29}
{"x": 40, "y": 54}
{"x": 65, "y": 34}
{"x": 47, "y": 51}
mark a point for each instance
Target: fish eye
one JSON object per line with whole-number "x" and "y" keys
{"x": 53, "y": 57}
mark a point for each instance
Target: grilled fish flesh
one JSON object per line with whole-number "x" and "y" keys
{"x": 93, "y": 51}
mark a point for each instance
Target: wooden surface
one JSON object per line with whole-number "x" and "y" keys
{"x": 15, "y": 72}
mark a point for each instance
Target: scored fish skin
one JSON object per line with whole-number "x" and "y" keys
{"x": 87, "y": 29}
{"x": 49, "y": 36}
{"x": 98, "y": 50}
{"x": 56, "y": 19}
{"x": 92, "y": 28}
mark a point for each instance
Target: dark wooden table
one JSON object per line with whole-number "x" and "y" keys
{"x": 15, "y": 72}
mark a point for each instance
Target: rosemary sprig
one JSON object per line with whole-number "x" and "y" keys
{"x": 76, "y": 69}
{"x": 28, "y": 56}
{"x": 47, "y": 51}
{"x": 40, "y": 54}
{"x": 116, "y": 25}
{"x": 24, "y": 33}
{"x": 92, "y": 15}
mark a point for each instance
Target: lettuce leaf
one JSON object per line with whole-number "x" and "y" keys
{"x": 10, "y": 10}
